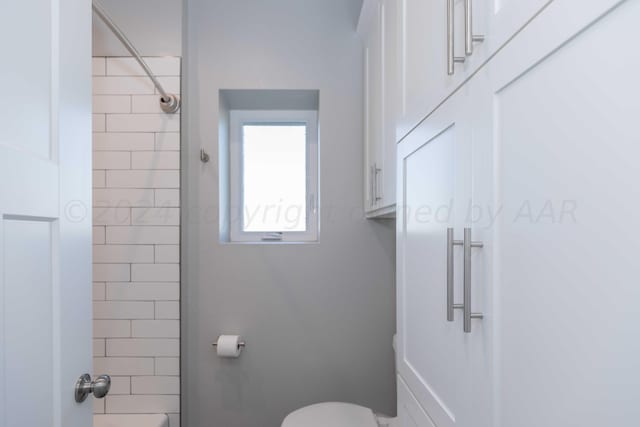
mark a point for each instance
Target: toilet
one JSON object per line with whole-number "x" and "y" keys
{"x": 338, "y": 414}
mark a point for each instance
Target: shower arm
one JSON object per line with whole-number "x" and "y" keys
{"x": 168, "y": 102}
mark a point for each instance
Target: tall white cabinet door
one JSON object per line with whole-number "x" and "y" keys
{"x": 45, "y": 212}
{"x": 379, "y": 28}
{"x": 560, "y": 107}
{"x": 433, "y": 168}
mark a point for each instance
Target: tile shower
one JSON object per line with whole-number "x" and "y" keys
{"x": 136, "y": 217}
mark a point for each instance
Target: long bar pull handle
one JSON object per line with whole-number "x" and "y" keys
{"x": 371, "y": 190}
{"x": 470, "y": 38}
{"x": 450, "y": 294}
{"x": 376, "y": 173}
{"x": 468, "y": 315}
{"x": 452, "y": 59}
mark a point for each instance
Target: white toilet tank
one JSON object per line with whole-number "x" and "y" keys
{"x": 137, "y": 420}
{"x": 331, "y": 414}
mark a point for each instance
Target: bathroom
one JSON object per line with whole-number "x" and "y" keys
{"x": 435, "y": 237}
{"x": 276, "y": 296}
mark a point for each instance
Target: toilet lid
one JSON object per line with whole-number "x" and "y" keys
{"x": 331, "y": 415}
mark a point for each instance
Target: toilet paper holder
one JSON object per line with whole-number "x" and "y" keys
{"x": 241, "y": 344}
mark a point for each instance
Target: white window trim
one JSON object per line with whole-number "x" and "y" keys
{"x": 238, "y": 118}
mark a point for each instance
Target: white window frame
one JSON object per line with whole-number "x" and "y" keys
{"x": 240, "y": 118}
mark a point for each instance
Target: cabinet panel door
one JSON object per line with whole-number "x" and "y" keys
{"x": 380, "y": 28}
{"x": 560, "y": 113}
{"x": 373, "y": 110}
{"x": 433, "y": 170}
{"x": 391, "y": 97}
{"x": 424, "y": 81}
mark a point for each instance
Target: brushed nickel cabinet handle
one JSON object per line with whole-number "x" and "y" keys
{"x": 371, "y": 188}
{"x": 376, "y": 172}
{"x": 470, "y": 38}
{"x": 468, "y": 315}
{"x": 450, "y": 271}
{"x": 452, "y": 59}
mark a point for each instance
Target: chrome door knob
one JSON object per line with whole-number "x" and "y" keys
{"x": 100, "y": 387}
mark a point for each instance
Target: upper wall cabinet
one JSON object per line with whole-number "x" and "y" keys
{"x": 379, "y": 28}
{"x": 443, "y": 42}
{"x": 417, "y": 52}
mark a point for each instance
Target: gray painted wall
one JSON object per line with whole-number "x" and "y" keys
{"x": 354, "y": 9}
{"x": 153, "y": 26}
{"x": 318, "y": 318}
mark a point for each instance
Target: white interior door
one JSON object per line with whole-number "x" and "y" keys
{"x": 45, "y": 229}
{"x": 561, "y": 110}
{"x": 434, "y": 185}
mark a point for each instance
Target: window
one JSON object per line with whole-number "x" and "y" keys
{"x": 274, "y": 176}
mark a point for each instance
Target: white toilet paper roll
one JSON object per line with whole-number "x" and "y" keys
{"x": 229, "y": 346}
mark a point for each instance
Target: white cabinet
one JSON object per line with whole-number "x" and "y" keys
{"x": 537, "y": 156}
{"x": 558, "y": 108}
{"x": 379, "y": 28}
{"x": 435, "y": 358}
{"x": 406, "y": 51}
{"x": 424, "y": 54}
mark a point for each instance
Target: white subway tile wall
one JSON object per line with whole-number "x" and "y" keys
{"x": 136, "y": 237}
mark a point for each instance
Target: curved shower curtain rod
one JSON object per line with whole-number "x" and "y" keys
{"x": 168, "y": 102}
